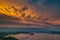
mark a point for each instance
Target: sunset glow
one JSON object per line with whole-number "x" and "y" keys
{"x": 29, "y": 19}
{"x": 29, "y": 13}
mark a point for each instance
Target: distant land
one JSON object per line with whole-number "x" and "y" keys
{"x": 28, "y": 30}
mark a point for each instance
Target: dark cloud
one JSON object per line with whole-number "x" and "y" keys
{"x": 7, "y": 20}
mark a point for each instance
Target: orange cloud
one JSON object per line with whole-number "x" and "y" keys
{"x": 16, "y": 10}
{"x": 56, "y": 22}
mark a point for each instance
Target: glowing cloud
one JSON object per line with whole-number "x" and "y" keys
{"x": 29, "y": 13}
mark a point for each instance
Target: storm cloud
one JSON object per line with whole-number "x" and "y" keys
{"x": 47, "y": 8}
{"x": 47, "y": 12}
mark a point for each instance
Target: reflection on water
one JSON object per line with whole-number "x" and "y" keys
{"x": 37, "y": 36}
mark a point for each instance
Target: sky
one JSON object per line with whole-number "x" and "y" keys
{"x": 30, "y": 13}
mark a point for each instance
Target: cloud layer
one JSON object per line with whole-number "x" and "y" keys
{"x": 30, "y": 13}
{"x": 37, "y": 36}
